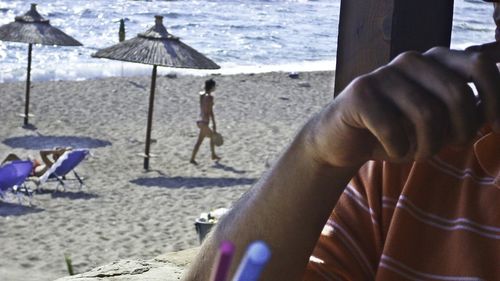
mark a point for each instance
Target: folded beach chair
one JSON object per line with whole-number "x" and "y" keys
{"x": 12, "y": 178}
{"x": 65, "y": 164}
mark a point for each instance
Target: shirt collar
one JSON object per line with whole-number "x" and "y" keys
{"x": 487, "y": 150}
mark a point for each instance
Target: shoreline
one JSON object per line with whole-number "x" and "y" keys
{"x": 102, "y": 69}
{"x": 126, "y": 212}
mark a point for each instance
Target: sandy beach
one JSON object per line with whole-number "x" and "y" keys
{"x": 124, "y": 211}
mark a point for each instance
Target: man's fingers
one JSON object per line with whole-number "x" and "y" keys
{"x": 492, "y": 50}
{"x": 478, "y": 68}
{"x": 382, "y": 119}
{"x": 447, "y": 86}
{"x": 429, "y": 122}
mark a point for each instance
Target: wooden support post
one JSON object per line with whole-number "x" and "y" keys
{"x": 28, "y": 80}
{"x": 372, "y": 32}
{"x": 150, "y": 118}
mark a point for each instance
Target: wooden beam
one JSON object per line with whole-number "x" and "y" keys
{"x": 372, "y": 32}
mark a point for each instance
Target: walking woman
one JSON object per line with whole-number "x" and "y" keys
{"x": 206, "y": 114}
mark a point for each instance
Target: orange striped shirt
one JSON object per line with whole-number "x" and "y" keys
{"x": 435, "y": 220}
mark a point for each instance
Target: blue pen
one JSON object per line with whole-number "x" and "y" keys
{"x": 256, "y": 257}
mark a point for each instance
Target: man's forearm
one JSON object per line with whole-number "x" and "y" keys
{"x": 286, "y": 208}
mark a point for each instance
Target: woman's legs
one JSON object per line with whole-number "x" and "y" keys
{"x": 197, "y": 147}
{"x": 212, "y": 148}
{"x": 205, "y": 131}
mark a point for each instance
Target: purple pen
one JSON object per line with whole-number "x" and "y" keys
{"x": 254, "y": 261}
{"x": 223, "y": 262}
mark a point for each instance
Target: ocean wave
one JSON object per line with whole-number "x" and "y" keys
{"x": 239, "y": 34}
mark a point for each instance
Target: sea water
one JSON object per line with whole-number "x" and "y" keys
{"x": 241, "y": 36}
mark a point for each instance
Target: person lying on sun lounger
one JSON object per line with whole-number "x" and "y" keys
{"x": 48, "y": 157}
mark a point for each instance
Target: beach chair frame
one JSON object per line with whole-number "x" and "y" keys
{"x": 61, "y": 180}
{"x": 62, "y": 167}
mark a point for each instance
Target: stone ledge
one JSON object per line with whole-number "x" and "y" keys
{"x": 166, "y": 267}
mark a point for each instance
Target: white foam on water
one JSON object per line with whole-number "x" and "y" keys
{"x": 84, "y": 71}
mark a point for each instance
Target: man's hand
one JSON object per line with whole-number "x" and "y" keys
{"x": 409, "y": 109}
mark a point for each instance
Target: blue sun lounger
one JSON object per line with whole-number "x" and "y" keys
{"x": 63, "y": 166}
{"x": 12, "y": 177}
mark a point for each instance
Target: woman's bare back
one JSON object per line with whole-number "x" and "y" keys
{"x": 206, "y": 107}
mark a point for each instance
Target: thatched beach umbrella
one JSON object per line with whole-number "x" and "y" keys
{"x": 156, "y": 47}
{"x": 32, "y": 28}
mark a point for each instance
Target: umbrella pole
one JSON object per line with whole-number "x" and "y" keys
{"x": 150, "y": 117}
{"x": 28, "y": 78}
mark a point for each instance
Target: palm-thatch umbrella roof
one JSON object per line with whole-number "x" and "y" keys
{"x": 156, "y": 47}
{"x": 32, "y": 28}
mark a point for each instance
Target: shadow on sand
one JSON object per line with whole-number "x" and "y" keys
{"x": 8, "y": 209}
{"x": 72, "y": 195}
{"x": 46, "y": 142}
{"x": 226, "y": 168}
{"x": 192, "y": 182}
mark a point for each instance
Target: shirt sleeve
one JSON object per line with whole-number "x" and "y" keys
{"x": 352, "y": 240}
